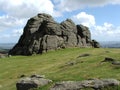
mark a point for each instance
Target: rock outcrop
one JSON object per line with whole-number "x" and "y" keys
{"x": 95, "y": 84}
{"x": 42, "y": 33}
{"x": 35, "y": 81}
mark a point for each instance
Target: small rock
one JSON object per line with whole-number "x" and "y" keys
{"x": 116, "y": 62}
{"x": 84, "y": 55}
{"x": 37, "y": 76}
{"x": 70, "y": 63}
{"x": 22, "y": 76}
{"x": 108, "y": 59}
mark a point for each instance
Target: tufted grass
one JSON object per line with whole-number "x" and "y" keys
{"x": 56, "y": 66}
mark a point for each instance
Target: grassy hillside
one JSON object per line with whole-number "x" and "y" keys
{"x": 55, "y": 66}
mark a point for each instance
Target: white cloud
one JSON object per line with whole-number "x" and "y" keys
{"x": 10, "y": 28}
{"x": 13, "y": 33}
{"x": 12, "y": 36}
{"x": 85, "y": 19}
{"x": 9, "y": 22}
{"x": 106, "y": 32}
{"x": 71, "y": 5}
{"x": 17, "y": 32}
{"x": 27, "y": 8}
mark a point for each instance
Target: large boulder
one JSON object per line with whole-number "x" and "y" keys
{"x": 42, "y": 34}
{"x": 35, "y": 81}
{"x": 94, "y": 84}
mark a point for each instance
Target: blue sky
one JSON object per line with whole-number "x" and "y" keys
{"x": 102, "y": 17}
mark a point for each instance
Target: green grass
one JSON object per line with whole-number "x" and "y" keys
{"x": 53, "y": 66}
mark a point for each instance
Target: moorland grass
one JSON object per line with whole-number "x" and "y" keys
{"x": 54, "y": 65}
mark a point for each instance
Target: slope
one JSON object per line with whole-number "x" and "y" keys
{"x": 65, "y": 64}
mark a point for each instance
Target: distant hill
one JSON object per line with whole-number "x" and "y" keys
{"x": 5, "y": 47}
{"x": 110, "y": 44}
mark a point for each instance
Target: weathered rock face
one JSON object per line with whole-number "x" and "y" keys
{"x": 42, "y": 33}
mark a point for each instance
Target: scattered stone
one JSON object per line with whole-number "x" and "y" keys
{"x": 21, "y": 76}
{"x": 96, "y": 84}
{"x": 70, "y": 63}
{"x": 42, "y": 34}
{"x": 84, "y": 55}
{"x": 35, "y": 81}
{"x": 116, "y": 63}
{"x": 108, "y": 59}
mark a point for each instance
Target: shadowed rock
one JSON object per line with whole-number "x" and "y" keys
{"x": 42, "y": 34}
{"x": 114, "y": 62}
{"x": 95, "y": 44}
{"x": 108, "y": 59}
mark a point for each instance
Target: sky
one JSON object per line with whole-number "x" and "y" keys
{"x": 101, "y": 16}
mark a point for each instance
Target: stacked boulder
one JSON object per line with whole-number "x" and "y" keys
{"x": 42, "y": 33}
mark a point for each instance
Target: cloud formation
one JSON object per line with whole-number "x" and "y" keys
{"x": 84, "y": 18}
{"x": 12, "y": 36}
{"x": 104, "y": 32}
{"x": 15, "y": 13}
{"x": 7, "y": 22}
{"x": 26, "y": 8}
{"x": 71, "y": 5}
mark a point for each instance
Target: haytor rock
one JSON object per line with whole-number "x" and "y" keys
{"x": 42, "y": 34}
